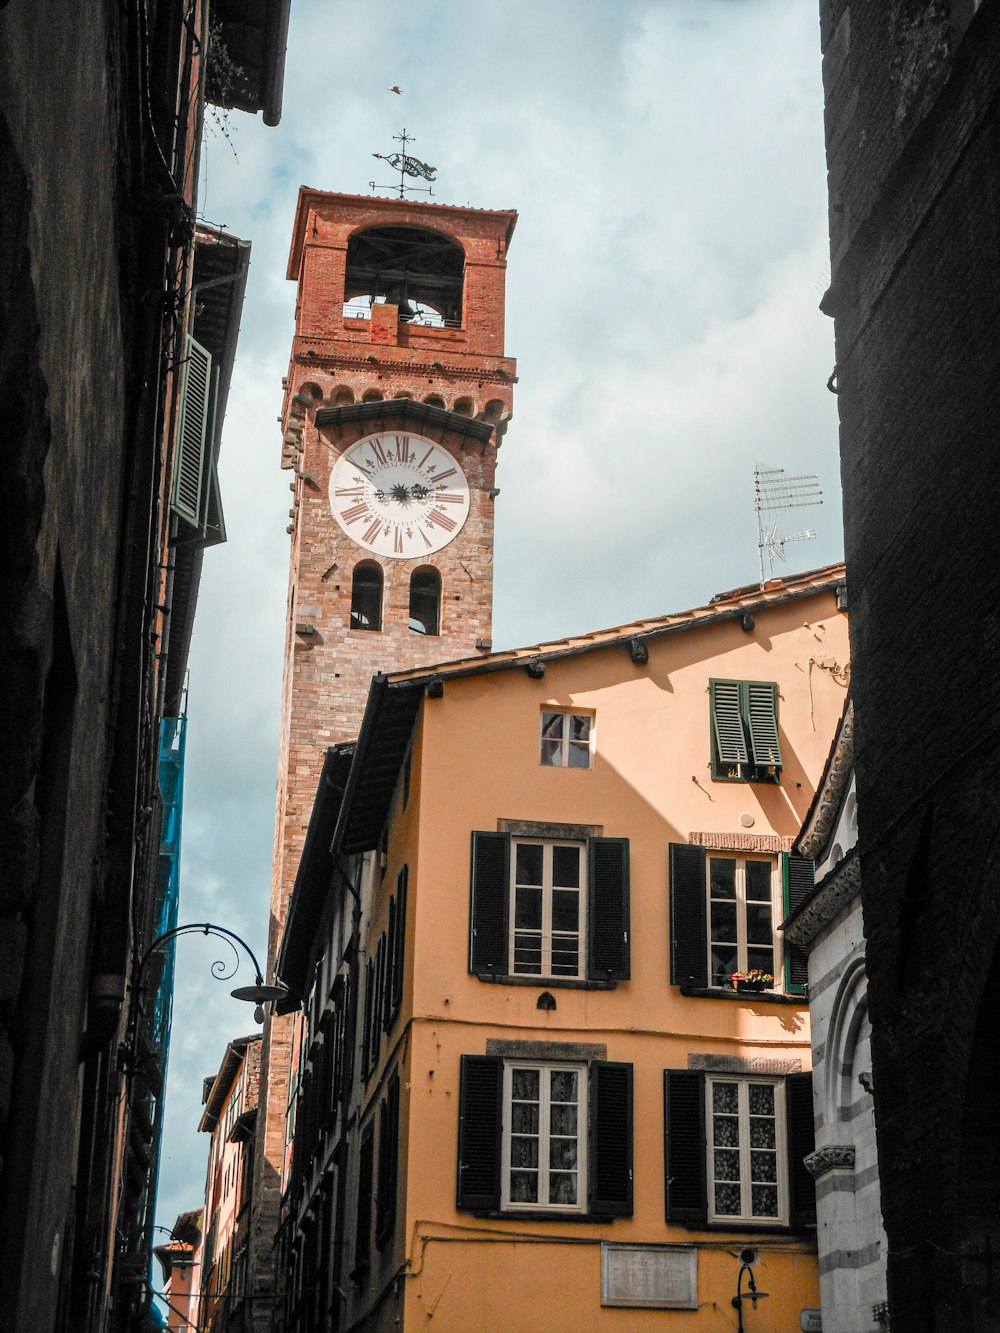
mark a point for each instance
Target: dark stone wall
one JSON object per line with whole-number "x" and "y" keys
{"x": 913, "y": 143}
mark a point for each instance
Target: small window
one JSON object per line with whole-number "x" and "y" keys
{"x": 744, "y": 731}
{"x": 366, "y": 596}
{"x": 566, "y": 739}
{"x": 425, "y": 601}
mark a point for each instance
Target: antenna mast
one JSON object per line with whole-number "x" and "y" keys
{"x": 774, "y": 491}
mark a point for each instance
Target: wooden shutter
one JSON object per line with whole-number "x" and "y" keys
{"x": 608, "y": 912}
{"x": 399, "y": 959}
{"x": 192, "y": 449}
{"x": 688, "y": 916}
{"x": 797, "y": 876}
{"x": 379, "y": 1000}
{"x": 388, "y": 1152}
{"x": 479, "y": 1132}
{"x": 363, "y": 1228}
{"x": 366, "y": 1035}
{"x": 760, "y": 705}
{"x": 801, "y": 1142}
{"x": 388, "y": 990}
{"x": 490, "y": 894}
{"x": 684, "y": 1146}
{"x": 727, "y": 722}
{"x": 610, "y": 1139}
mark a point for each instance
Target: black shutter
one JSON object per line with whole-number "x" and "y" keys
{"x": 389, "y": 988}
{"x": 388, "y": 1152}
{"x": 610, "y": 1139}
{"x": 490, "y": 892}
{"x": 797, "y": 879}
{"x": 379, "y": 1000}
{"x": 608, "y": 925}
{"x": 399, "y": 961}
{"x": 366, "y": 1033}
{"x": 479, "y": 1132}
{"x": 684, "y": 1147}
{"x": 801, "y": 1142}
{"x": 688, "y": 925}
{"x": 362, "y": 1235}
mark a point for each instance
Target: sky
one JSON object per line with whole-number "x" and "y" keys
{"x": 666, "y": 160}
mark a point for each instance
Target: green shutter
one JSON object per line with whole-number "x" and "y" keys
{"x": 193, "y": 446}
{"x": 760, "y": 708}
{"x": 797, "y": 876}
{"x": 727, "y": 724}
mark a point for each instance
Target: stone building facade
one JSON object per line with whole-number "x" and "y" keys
{"x": 399, "y": 336}
{"x": 913, "y": 151}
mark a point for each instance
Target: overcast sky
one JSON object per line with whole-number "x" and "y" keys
{"x": 666, "y": 159}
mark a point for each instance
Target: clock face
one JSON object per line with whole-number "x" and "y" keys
{"x": 400, "y": 496}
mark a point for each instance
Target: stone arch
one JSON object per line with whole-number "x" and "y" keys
{"x": 493, "y": 410}
{"x": 848, "y": 1018}
{"x": 372, "y": 396}
{"x": 434, "y": 400}
{"x": 465, "y": 407}
{"x": 343, "y": 396}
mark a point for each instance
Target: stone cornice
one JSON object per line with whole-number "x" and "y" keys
{"x": 819, "y": 822}
{"x": 826, "y": 902}
{"x": 329, "y": 360}
{"x": 831, "y": 1157}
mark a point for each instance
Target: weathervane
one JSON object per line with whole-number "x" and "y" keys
{"x": 406, "y": 166}
{"x": 772, "y": 491}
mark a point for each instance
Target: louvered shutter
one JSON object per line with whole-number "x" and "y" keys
{"x": 797, "y": 876}
{"x": 608, "y": 924}
{"x": 688, "y": 916}
{"x": 193, "y": 445}
{"x": 388, "y": 1146}
{"x": 727, "y": 722}
{"x": 399, "y": 962}
{"x": 363, "y": 1226}
{"x": 366, "y": 1035}
{"x": 684, "y": 1146}
{"x": 610, "y": 1139}
{"x": 760, "y": 702}
{"x": 479, "y": 1132}
{"x": 379, "y": 999}
{"x": 490, "y": 893}
{"x": 801, "y": 1142}
{"x": 389, "y": 989}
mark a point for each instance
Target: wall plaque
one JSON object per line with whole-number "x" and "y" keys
{"x": 661, "y": 1277}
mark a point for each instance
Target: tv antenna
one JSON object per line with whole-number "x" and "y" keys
{"x": 773, "y": 491}
{"x": 406, "y": 165}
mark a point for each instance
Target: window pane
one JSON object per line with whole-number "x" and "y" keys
{"x": 725, "y": 1131}
{"x": 563, "y": 1117}
{"x": 562, "y": 1187}
{"x": 552, "y": 726}
{"x": 764, "y": 1200}
{"x": 761, "y": 1132}
{"x": 579, "y": 727}
{"x": 724, "y": 963}
{"x": 565, "y": 958}
{"x": 758, "y": 923}
{"x": 524, "y": 1118}
{"x": 727, "y": 1164}
{"x": 761, "y": 958}
{"x": 552, "y": 753}
{"x": 578, "y": 756}
{"x": 727, "y": 1200}
{"x": 524, "y": 1152}
{"x": 764, "y": 1167}
{"x": 565, "y": 910}
{"x": 724, "y": 923}
{"x": 725, "y": 1098}
{"x": 524, "y": 1085}
{"x": 523, "y": 1187}
{"x": 566, "y": 867}
{"x": 722, "y": 877}
{"x": 563, "y": 1085}
{"x": 529, "y": 862}
{"x": 528, "y": 909}
{"x": 527, "y": 954}
{"x": 758, "y": 875}
{"x": 762, "y": 1099}
{"x": 562, "y": 1153}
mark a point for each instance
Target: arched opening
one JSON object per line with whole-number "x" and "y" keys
{"x": 465, "y": 407}
{"x": 418, "y": 270}
{"x": 425, "y": 601}
{"x": 372, "y": 396}
{"x": 366, "y": 596}
{"x": 343, "y": 397}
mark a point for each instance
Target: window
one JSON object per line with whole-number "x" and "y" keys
{"x": 392, "y": 997}
{"x": 566, "y": 739}
{"x": 388, "y": 1152}
{"x": 744, "y": 739}
{"x": 724, "y": 914}
{"x": 549, "y": 907}
{"x": 363, "y": 1221}
{"x": 735, "y": 1147}
{"x": 366, "y": 596}
{"x": 425, "y": 601}
{"x": 540, "y": 1136}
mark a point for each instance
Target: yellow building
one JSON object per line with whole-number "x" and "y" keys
{"x": 532, "y": 1095}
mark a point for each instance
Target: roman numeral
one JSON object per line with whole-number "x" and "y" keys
{"x": 380, "y": 455}
{"x": 403, "y": 448}
{"x": 397, "y": 541}
{"x": 427, "y": 540}
{"x": 351, "y": 490}
{"x": 450, "y": 497}
{"x": 371, "y": 533}
{"x": 426, "y": 456}
{"x": 355, "y": 512}
{"x": 440, "y": 518}
{"x": 450, "y": 473}
{"x": 362, "y": 467}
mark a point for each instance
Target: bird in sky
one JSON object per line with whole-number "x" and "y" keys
{"x": 395, "y": 89}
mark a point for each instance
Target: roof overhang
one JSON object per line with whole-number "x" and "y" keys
{"x": 255, "y": 37}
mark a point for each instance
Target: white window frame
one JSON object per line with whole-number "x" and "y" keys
{"x": 545, "y": 1068}
{"x": 741, "y": 859}
{"x": 565, "y": 743}
{"x": 545, "y": 972}
{"x": 746, "y": 1215}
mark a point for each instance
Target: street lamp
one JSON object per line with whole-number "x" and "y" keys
{"x": 258, "y": 994}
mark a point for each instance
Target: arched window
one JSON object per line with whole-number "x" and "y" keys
{"x": 366, "y": 596}
{"x": 425, "y": 601}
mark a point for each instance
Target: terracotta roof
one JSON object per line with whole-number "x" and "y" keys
{"x": 725, "y": 605}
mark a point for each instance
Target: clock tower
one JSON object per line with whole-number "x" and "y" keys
{"x": 396, "y": 402}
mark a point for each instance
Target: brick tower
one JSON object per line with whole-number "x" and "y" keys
{"x": 396, "y": 401}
